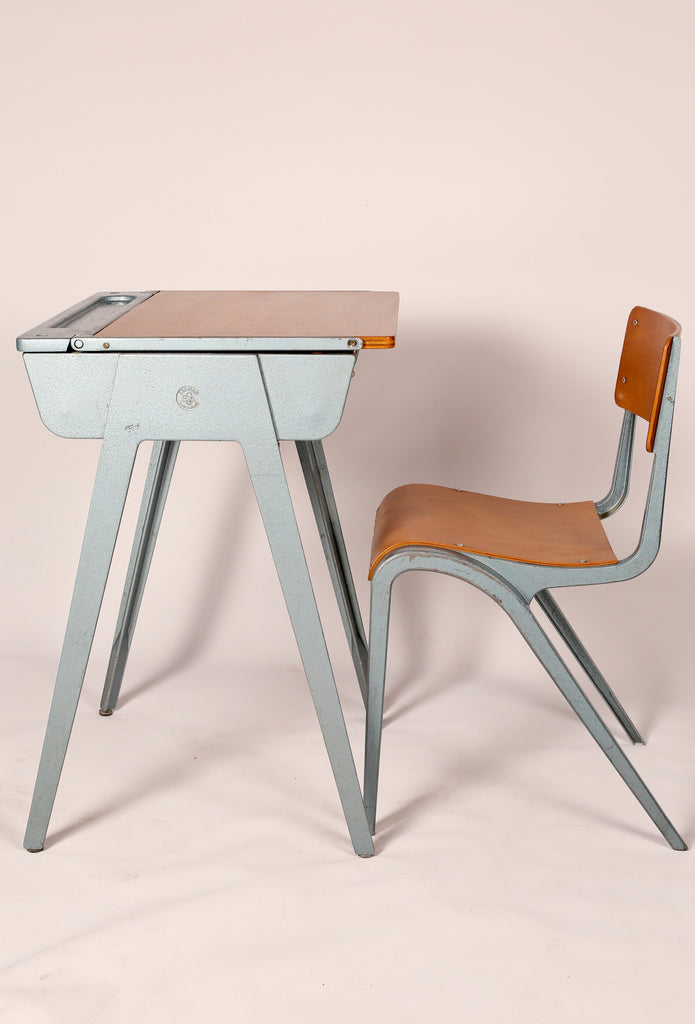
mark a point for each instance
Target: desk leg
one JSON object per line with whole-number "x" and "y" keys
{"x": 154, "y": 498}
{"x": 108, "y": 498}
{"x": 275, "y": 504}
{"x": 318, "y": 483}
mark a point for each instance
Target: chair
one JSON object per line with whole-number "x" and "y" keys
{"x": 516, "y": 551}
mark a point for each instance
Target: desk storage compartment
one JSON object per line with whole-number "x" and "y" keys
{"x": 307, "y": 393}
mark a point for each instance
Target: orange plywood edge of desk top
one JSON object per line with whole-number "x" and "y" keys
{"x": 370, "y": 316}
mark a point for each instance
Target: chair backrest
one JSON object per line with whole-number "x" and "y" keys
{"x": 646, "y": 387}
{"x": 643, "y": 365}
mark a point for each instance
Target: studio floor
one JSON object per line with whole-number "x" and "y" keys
{"x": 198, "y": 863}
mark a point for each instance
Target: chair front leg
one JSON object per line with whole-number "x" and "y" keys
{"x": 378, "y": 646}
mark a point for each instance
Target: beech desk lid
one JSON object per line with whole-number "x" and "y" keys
{"x": 368, "y": 316}
{"x": 221, "y": 321}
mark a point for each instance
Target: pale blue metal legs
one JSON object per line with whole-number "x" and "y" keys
{"x": 551, "y": 609}
{"x": 378, "y": 648}
{"x": 159, "y": 475}
{"x": 518, "y": 610}
{"x": 318, "y": 484}
{"x": 545, "y": 652}
{"x": 110, "y": 490}
{"x": 108, "y": 498}
{"x": 233, "y": 406}
{"x": 275, "y": 503}
{"x": 268, "y": 478}
{"x": 323, "y": 503}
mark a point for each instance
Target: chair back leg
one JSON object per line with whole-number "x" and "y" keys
{"x": 555, "y": 615}
{"x": 530, "y": 629}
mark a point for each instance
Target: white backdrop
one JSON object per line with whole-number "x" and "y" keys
{"x": 522, "y": 175}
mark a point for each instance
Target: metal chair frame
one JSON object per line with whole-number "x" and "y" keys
{"x": 514, "y": 585}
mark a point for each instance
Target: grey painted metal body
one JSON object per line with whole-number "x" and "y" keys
{"x": 514, "y": 585}
{"x": 127, "y": 398}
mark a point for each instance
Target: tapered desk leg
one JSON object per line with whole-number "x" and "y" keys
{"x": 108, "y": 498}
{"x": 275, "y": 504}
{"x": 318, "y": 483}
{"x": 159, "y": 475}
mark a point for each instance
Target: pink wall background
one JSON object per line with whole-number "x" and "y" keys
{"x": 521, "y": 173}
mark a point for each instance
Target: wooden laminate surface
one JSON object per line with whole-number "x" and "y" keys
{"x": 370, "y": 316}
{"x": 643, "y": 365}
{"x": 425, "y": 515}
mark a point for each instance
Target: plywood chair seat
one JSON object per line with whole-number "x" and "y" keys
{"x": 425, "y": 515}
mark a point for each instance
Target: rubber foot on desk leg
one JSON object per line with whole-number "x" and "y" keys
{"x": 105, "y": 714}
{"x": 38, "y": 849}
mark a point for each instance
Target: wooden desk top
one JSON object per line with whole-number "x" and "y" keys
{"x": 370, "y": 316}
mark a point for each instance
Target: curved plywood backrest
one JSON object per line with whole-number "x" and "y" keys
{"x": 643, "y": 365}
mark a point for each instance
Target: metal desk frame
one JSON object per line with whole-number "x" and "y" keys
{"x": 246, "y": 390}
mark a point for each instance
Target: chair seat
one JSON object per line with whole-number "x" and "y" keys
{"x": 425, "y": 515}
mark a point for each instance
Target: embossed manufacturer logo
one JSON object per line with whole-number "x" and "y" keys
{"x": 187, "y": 397}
